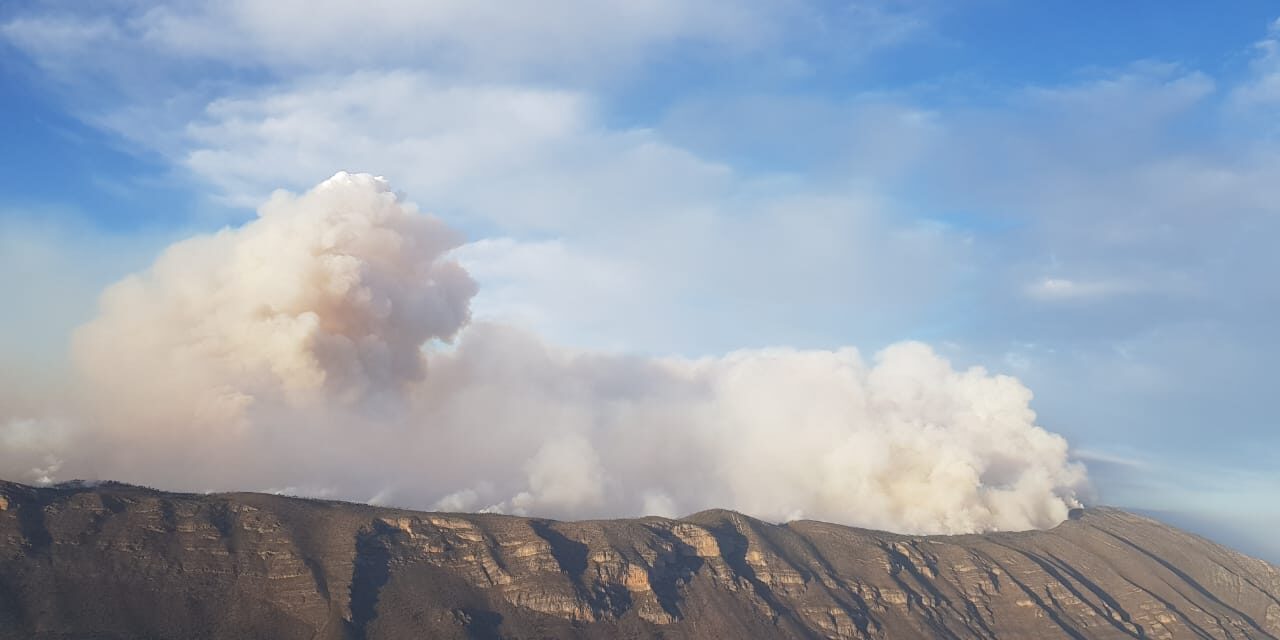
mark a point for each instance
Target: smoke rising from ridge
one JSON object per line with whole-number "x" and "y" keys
{"x": 308, "y": 351}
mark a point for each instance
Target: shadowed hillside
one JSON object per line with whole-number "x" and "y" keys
{"x": 117, "y": 561}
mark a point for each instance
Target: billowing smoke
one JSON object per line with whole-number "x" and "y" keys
{"x": 325, "y": 349}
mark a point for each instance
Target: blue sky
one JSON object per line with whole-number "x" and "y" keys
{"x": 1082, "y": 195}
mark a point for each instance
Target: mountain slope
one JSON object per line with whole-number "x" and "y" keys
{"x": 116, "y": 561}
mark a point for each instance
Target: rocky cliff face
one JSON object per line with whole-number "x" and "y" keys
{"x": 116, "y": 561}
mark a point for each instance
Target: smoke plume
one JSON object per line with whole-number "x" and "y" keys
{"x": 325, "y": 348}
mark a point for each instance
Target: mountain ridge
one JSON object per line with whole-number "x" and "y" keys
{"x": 111, "y": 560}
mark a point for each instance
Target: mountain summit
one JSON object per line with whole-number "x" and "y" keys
{"x": 118, "y": 561}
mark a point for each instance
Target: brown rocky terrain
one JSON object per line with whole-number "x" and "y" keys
{"x": 117, "y": 561}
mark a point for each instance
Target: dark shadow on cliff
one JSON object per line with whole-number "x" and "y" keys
{"x": 371, "y": 572}
{"x": 479, "y": 623}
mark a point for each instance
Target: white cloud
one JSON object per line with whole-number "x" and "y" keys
{"x": 1257, "y": 98}
{"x": 580, "y": 211}
{"x": 1072, "y": 290}
{"x": 1066, "y": 289}
{"x": 521, "y": 158}
{"x": 443, "y": 138}
{"x": 553, "y": 39}
{"x": 476, "y": 36}
{"x": 486, "y": 117}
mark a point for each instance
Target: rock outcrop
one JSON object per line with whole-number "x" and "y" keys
{"x": 117, "y": 561}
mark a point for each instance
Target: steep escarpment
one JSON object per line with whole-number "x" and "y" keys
{"x": 116, "y": 561}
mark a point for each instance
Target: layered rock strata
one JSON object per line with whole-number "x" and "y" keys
{"x": 116, "y": 561}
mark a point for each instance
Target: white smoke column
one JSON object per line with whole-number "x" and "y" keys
{"x": 907, "y": 443}
{"x": 288, "y": 354}
{"x": 223, "y": 347}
